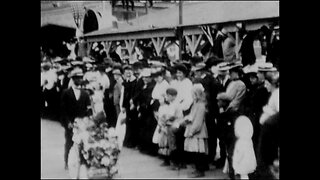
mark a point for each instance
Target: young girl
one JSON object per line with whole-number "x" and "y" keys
{"x": 168, "y": 115}
{"x": 196, "y": 135}
{"x": 244, "y": 159}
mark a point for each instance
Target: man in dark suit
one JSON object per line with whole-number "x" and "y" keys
{"x": 75, "y": 103}
{"x": 211, "y": 89}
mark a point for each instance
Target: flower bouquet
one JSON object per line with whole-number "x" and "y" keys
{"x": 98, "y": 147}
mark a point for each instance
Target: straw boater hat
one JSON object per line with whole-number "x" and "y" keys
{"x": 146, "y": 72}
{"x": 156, "y": 64}
{"x": 251, "y": 71}
{"x": 236, "y": 67}
{"x": 87, "y": 60}
{"x": 224, "y": 66}
{"x": 266, "y": 67}
{"x": 198, "y": 67}
{"x": 116, "y": 71}
{"x": 46, "y": 64}
{"x": 77, "y": 72}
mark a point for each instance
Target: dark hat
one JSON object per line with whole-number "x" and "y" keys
{"x": 196, "y": 59}
{"x": 101, "y": 67}
{"x": 182, "y": 68}
{"x": 172, "y": 91}
{"x": 252, "y": 74}
{"x": 137, "y": 65}
{"x": 237, "y": 69}
{"x": 212, "y": 61}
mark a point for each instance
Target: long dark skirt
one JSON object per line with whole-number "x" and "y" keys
{"x": 148, "y": 125}
{"x": 131, "y": 139}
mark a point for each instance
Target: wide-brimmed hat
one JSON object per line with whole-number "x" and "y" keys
{"x": 77, "y": 63}
{"x": 250, "y": 69}
{"x": 116, "y": 71}
{"x": 46, "y": 64}
{"x": 236, "y": 64}
{"x": 199, "y": 67}
{"x": 213, "y": 61}
{"x": 156, "y": 72}
{"x": 88, "y": 60}
{"x": 156, "y": 64}
{"x": 57, "y": 59}
{"x": 236, "y": 67}
{"x": 146, "y": 72}
{"x": 266, "y": 67}
{"x": 77, "y": 72}
{"x": 224, "y": 66}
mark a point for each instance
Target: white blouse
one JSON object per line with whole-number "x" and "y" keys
{"x": 184, "y": 96}
{"x": 159, "y": 90}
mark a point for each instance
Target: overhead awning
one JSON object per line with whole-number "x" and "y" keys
{"x": 164, "y": 22}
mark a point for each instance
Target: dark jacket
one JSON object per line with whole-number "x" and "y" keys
{"x": 128, "y": 93}
{"x": 247, "y": 50}
{"x": 217, "y": 46}
{"x": 211, "y": 86}
{"x": 72, "y": 108}
{"x": 137, "y": 89}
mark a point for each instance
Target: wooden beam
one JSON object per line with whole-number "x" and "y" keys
{"x": 189, "y": 41}
{"x": 158, "y": 44}
{"x": 132, "y": 35}
{"x": 107, "y": 46}
{"x": 162, "y": 45}
{"x": 193, "y": 42}
{"x": 199, "y": 38}
{"x": 237, "y": 44}
{"x": 130, "y": 45}
{"x": 89, "y": 46}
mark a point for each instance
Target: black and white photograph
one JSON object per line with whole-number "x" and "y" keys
{"x": 167, "y": 89}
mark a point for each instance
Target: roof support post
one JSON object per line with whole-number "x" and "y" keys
{"x": 237, "y": 43}
{"x": 89, "y": 46}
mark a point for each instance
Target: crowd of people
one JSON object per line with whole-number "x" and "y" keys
{"x": 203, "y": 112}
{"x": 181, "y": 112}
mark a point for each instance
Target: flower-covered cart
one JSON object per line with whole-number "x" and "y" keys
{"x": 95, "y": 151}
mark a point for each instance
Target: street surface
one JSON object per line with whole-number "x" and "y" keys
{"x": 132, "y": 163}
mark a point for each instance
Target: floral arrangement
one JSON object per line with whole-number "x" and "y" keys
{"x": 98, "y": 147}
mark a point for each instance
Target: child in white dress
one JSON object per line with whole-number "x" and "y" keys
{"x": 244, "y": 159}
